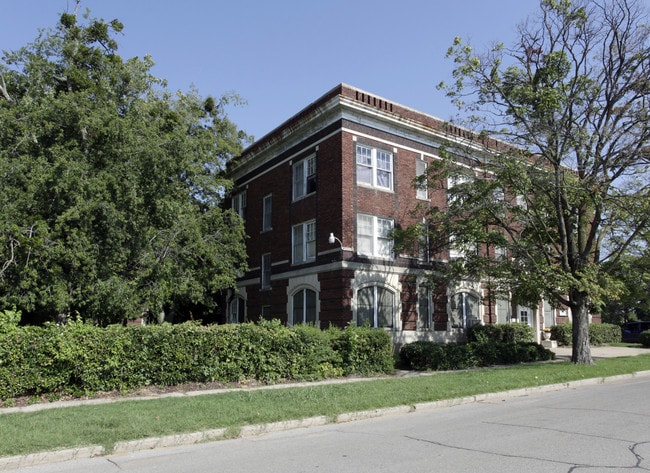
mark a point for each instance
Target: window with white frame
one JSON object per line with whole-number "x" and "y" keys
{"x": 373, "y": 236}
{"x": 238, "y": 204}
{"x": 504, "y": 311}
{"x": 237, "y": 311}
{"x": 422, "y": 191}
{"x": 375, "y": 306}
{"x": 456, "y": 181}
{"x": 266, "y": 271}
{"x": 304, "y": 242}
{"x": 304, "y": 177}
{"x": 464, "y": 310}
{"x": 304, "y": 307}
{"x": 456, "y": 250}
{"x": 374, "y": 167}
{"x": 267, "y": 212}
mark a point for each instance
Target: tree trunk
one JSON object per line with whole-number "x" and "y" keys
{"x": 581, "y": 354}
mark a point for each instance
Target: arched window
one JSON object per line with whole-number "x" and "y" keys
{"x": 376, "y": 306}
{"x": 464, "y": 310}
{"x": 304, "y": 307}
{"x": 237, "y": 311}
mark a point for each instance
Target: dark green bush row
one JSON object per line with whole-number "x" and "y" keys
{"x": 80, "y": 358}
{"x": 515, "y": 332}
{"x": 423, "y": 356}
{"x": 644, "y": 338}
{"x": 599, "y": 334}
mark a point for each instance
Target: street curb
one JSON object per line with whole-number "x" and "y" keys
{"x": 122, "y": 448}
{"x": 23, "y": 461}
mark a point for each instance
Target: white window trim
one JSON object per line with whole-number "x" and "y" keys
{"x": 422, "y": 190}
{"x": 235, "y": 303}
{"x": 395, "y": 309}
{"x": 238, "y": 204}
{"x": 267, "y": 213}
{"x": 302, "y": 289}
{"x": 375, "y": 236}
{"x": 301, "y": 176}
{"x": 304, "y": 257}
{"x": 373, "y": 166}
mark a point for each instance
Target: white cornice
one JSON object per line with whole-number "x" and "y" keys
{"x": 318, "y": 118}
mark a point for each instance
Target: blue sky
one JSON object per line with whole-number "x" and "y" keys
{"x": 282, "y": 55}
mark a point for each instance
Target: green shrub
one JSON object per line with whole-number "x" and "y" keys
{"x": 484, "y": 333}
{"x": 424, "y": 356}
{"x": 363, "y": 350}
{"x": 515, "y": 332}
{"x": 644, "y": 338}
{"x": 604, "y": 334}
{"x": 431, "y": 356}
{"x": 79, "y": 358}
{"x": 9, "y": 320}
{"x": 562, "y": 334}
{"x": 599, "y": 334}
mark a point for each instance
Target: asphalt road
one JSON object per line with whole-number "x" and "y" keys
{"x": 597, "y": 428}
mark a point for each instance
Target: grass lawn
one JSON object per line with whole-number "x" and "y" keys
{"x": 106, "y": 424}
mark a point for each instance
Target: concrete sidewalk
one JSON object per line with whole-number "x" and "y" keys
{"x": 600, "y": 352}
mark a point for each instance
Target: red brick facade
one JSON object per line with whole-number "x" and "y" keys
{"x": 348, "y": 283}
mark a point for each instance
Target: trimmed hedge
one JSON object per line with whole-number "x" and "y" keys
{"x": 425, "y": 356}
{"x": 644, "y": 338}
{"x": 516, "y": 332}
{"x": 78, "y": 358}
{"x": 599, "y": 334}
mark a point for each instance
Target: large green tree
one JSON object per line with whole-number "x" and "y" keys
{"x": 572, "y": 192}
{"x": 110, "y": 184}
{"x": 633, "y": 270}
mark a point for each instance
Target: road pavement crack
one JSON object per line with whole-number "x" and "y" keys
{"x": 487, "y": 452}
{"x": 560, "y": 431}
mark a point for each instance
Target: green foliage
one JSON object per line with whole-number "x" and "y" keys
{"x": 599, "y": 334}
{"x": 423, "y": 355}
{"x": 634, "y": 272}
{"x": 644, "y": 338}
{"x": 364, "y": 350}
{"x": 604, "y": 334}
{"x": 9, "y": 320}
{"x": 80, "y": 358}
{"x": 562, "y": 334}
{"x": 557, "y": 97}
{"x": 111, "y": 184}
{"x": 515, "y": 332}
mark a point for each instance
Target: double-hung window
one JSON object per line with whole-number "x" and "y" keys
{"x": 267, "y": 207}
{"x": 304, "y": 177}
{"x": 304, "y": 242}
{"x": 239, "y": 204}
{"x": 373, "y": 236}
{"x": 374, "y": 167}
{"x": 421, "y": 171}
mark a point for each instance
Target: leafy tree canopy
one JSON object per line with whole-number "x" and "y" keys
{"x": 572, "y": 193}
{"x": 111, "y": 184}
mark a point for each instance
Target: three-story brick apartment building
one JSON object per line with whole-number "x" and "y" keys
{"x": 320, "y": 195}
